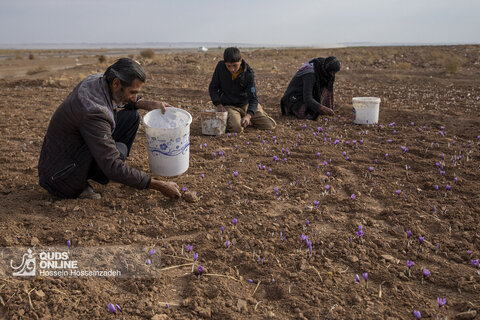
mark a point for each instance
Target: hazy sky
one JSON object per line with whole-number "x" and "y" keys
{"x": 292, "y": 22}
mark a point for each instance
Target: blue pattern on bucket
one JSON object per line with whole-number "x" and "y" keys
{"x": 169, "y": 147}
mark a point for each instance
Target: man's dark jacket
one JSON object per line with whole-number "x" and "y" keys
{"x": 79, "y": 132}
{"x": 238, "y": 92}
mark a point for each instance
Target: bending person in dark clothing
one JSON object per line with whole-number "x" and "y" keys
{"x": 88, "y": 138}
{"x": 310, "y": 92}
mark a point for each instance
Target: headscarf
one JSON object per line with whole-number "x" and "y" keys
{"x": 323, "y": 67}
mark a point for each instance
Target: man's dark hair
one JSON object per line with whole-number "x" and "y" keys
{"x": 126, "y": 70}
{"x": 232, "y": 54}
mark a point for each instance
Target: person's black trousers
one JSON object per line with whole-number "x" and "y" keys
{"x": 127, "y": 123}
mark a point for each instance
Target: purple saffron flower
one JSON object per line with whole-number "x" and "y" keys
{"x": 307, "y": 223}
{"x": 410, "y": 264}
{"x": 148, "y": 262}
{"x": 227, "y": 244}
{"x": 222, "y": 228}
{"x": 316, "y": 203}
{"x": 469, "y": 252}
{"x": 357, "y": 278}
{"x": 455, "y": 179}
{"x": 398, "y": 192}
{"x": 409, "y": 234}
{"x": 195, "y": 256}
{"x": 309, "y": 245}
{"x": 235, "y": 173}
{"x": 118, "y": 307}
{"x": 421, "y": 239}
{"x": 184, "y": 189}
{"x": 417, "y": 314}
{"x": 441, "y": 301}
{"x": 425, "y": 273}
{"x": 475, "y": 263}
{"x": 327, "y": 187}
{"x": 202, "y": 176}
{"x": 167, "y": 305}
{"x": 69, "y": 243}
{"x": 353, "y": 196}
{"x": 234, "y": 221}
{"x": 435, "y": 187}
{"x": 360, "y": 232}
{"x": 370, "y": 169}
{"x": 448, "y": 187}
{"x": 386, "y": 155}
{"x": 365, "y": 276}
{"x": 328, "y": 174}
{"x": 200, "y": 269}
{"x": 151, "y": 252}
{"x": 111, "y": 308}
{"x": 189, "y": 247}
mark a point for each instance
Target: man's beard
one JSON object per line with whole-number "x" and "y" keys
{"x": 118, "y": 98}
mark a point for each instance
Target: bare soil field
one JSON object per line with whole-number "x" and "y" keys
{"x": 418, "y": 170}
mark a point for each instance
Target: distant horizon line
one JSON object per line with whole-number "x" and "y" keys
{"x": 196, "y": 44}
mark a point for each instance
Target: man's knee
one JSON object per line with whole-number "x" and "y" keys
{"x": 128, "y": 117}
{"x": 134, "y": 116}
{"x": 123, "y": 149}
{"x": 235, "y": 128}
{"x": 234, "y": 123}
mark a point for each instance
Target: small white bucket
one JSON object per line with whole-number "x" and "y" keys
{"x": 365, "y": 110}
{"x": 213, "y": 123}
{"x": 168, "y": 141}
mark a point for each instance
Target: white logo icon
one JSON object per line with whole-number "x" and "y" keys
{"x": 27, "y": 267}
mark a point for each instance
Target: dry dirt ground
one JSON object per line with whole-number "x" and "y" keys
{"x": 428, "y": 135}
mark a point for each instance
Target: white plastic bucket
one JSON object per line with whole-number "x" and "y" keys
{"x": 365, "y": 110}
{"x": 213, "y": 123}
{"x": 168, "y": 141}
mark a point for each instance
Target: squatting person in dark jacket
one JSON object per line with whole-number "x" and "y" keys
{"x": 310, "y": 92}
{"x": 233, "y": 89}
{"x": 88, "y": 138}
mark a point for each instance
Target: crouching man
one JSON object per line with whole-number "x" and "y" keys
{"x": 89, "y": 138}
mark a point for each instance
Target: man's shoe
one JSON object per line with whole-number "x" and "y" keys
{"x": 89, "y": 193}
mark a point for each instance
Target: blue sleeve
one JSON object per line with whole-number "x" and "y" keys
{"x": 214, "y": 87}
{"x": 252, "y": 94}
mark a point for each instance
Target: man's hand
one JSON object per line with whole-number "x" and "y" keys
{"x": 221, "y": 108}
{"x": 152, "y": 105}
{"x": 169, "y": 189}
{"x": 246, "y": 120}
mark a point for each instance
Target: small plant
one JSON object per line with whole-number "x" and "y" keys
{"x": 37, "y": 70}
{"x": 451, "y": 65}
{"x": 404, "y": 65}
{"x": 147, "y": 53}
{"x": 101, "y": 58}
